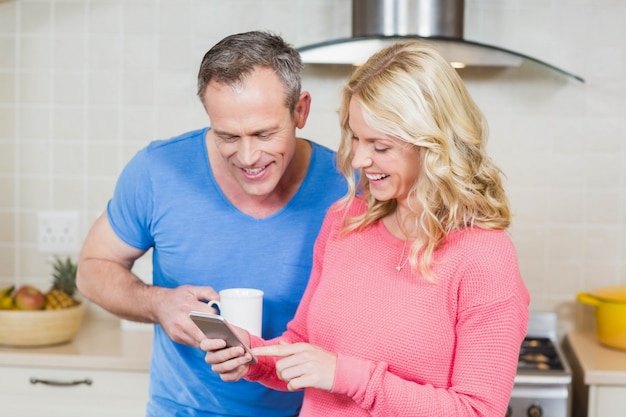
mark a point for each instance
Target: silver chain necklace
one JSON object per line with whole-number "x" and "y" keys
{"x": 401, "y": 264}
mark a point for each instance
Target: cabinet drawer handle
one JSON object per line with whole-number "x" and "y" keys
{"x": 35, "y": 381}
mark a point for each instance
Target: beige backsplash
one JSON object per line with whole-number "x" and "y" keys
{"x": 85, "y": 84}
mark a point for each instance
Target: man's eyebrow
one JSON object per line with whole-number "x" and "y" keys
{"x": 222, "y": 133}
{"x": 264, "y": 130}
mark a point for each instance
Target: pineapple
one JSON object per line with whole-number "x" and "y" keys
{"x": 61, "y": 295}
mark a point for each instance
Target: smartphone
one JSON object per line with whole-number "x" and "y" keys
{"x": 216, "y": 327}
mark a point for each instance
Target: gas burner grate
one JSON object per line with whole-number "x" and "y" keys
{"x": 539, "y": 353}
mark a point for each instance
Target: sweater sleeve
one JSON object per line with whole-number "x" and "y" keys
{"x": 264, "y": 371}
{"x": 480, "y": 385}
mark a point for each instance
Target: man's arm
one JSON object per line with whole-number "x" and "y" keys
{"x": 104, "y": 276}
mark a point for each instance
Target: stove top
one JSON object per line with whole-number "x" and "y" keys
{"x": 540, "y": 358}
{"x": 539, "y": 353}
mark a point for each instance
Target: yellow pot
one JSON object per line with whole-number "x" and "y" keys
{"x": 610, "y": 304}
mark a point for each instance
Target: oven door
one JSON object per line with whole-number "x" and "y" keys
{"x": 539, "y": 400}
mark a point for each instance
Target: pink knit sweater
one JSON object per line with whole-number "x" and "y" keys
{"x": 406, "y": 346}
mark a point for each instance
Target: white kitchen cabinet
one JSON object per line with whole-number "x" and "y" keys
{"x": 607, "y": 401}
{"x": 50, "y": 392}
{"x": 599, "y": 376}
{"x": 103, "y": 372}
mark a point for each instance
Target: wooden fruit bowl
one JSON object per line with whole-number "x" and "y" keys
{"x": 40, "y": 327}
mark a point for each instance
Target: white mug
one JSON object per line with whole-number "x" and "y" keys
{"x": 242, "y": 307}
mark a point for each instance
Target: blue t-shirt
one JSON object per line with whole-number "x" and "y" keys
{"x": 167, "y": 199}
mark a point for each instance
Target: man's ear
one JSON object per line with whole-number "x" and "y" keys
{"x": 301, "y": 112}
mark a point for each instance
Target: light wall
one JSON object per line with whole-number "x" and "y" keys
{"x": 85, "y": 83}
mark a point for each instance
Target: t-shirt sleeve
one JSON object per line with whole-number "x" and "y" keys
{"x": 130, "y": 209}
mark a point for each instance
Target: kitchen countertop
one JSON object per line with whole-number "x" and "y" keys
{"x": 601, "y": 365}
{"x": 100, "y": 344}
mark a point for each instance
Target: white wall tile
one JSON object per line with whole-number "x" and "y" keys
{"x": 140, "y": 53}
{"x": 104, "y": 88}
{"x": 105, "y": 16}
{"x": 68, "y": 162}
{"x": 69, "y": 123}
{"x": 33, "y": 193}
{"x": 34, "y": 122}
{"x": 35, "y": 268}
{"x": 102, "y": 159}
{"x": 175, "y": 16}
{"x": 7, "y": 158}
{"x": 35, "y": 52}
{"x": 102, "y": 124}
{"x": 175, "y": 89}
{"x": 139, "y": 88}
{"x": 35, "y": 158}
{"x": 35, "y": 87}
{"x": 70, "y": 16}
{"x": 7, "y": 233}
{"x": 28, "y": 227}
{"x": 104, "y": 52}
{"x": 137, "y": 124}
{"x": 565, "y": 206}
{"x": 7, "y": 57}
{"x": 7, "y": 123}
{"x": 68, "y": 192}
{"x": 7, "y": 196}
{"x": 8, "y": 18}
{"x": 174, "y": 54}
{"x": 35, "y": 17}
{"x": 602, "y": 207}
{"x": 139, "y": 17}
{"x": 69, "y": 88}
{"x": 99, "y": 192}
{"x": 68, "y": 53}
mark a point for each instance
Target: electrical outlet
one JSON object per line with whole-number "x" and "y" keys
{"x": 58, "y": 232}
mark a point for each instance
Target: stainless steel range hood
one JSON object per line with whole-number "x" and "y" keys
{"x": 438, "y": 23}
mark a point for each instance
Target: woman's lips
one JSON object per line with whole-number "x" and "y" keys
{"x": 376, "y": 177}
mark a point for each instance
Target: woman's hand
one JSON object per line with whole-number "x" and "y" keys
{"x": 230, "y": 363}
{"x": 302, "y": 365}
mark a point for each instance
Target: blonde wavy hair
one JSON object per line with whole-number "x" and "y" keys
{"x": 410, "y": 92}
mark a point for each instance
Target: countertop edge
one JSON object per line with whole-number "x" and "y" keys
{"x": 601, "y": 365}
{"x": 35, "y": 360}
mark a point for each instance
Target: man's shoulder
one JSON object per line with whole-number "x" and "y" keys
{"x": 322, "y": 149}
{"x": 323, "y": 158}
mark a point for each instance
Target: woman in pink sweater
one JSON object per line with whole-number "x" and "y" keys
{"x": 415, "y": 306}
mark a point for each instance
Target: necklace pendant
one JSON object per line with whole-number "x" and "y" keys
{"x": 398, "y": 268}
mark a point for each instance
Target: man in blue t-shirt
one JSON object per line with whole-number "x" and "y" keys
{"x": 238, "y": 204}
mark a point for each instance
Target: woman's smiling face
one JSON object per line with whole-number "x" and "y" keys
{"x": 391, "y": 165}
